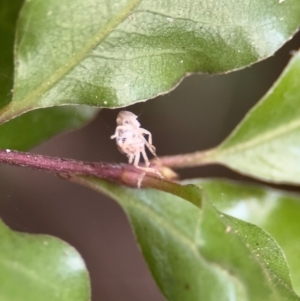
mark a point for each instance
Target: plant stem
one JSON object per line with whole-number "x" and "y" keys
{"x": 72, "y": 170}
{"x": 65, "y": 167}
{"x": 188, "y": 160}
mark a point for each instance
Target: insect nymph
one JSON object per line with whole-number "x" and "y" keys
{"x": 131, "y": 141}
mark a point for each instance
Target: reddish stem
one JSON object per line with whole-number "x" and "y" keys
{"x": 66, "y": 168}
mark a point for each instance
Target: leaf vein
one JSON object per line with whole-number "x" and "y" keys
{"x": 80, "y": 56}
{"x": 260, "y": 139}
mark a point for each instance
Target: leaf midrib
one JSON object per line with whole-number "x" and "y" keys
{"x": 260, "y": 139}
{"x": 185, "y": 240}
{"x": 80, "y": 56}
{"x": 169, "y": 227}
{"x": 174, "y": 231}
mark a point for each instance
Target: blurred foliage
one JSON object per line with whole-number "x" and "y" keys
{"x": 203, "y": 254}
{"x": 40, "y": 267}
{"x": 112, "y": 54}
{"x": 274, "y": 211}
{"x": 266, "y": 143}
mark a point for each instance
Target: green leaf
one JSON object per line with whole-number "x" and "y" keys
{"x": 274, "y": 211}
{"x": 197, "y": 254}
{"x": 248, "y": 253}
{"x": 34, "y": 127}
{"x": 112, "y": 54}
{"x": 40, "y": 267}
{"x": 8, "y": 16}
{"x": 266, "y": 144}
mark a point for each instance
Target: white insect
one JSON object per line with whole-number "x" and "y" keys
{"x": 131, "y": 141}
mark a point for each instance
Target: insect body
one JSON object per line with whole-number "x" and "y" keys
{"x": 131, "y": 141}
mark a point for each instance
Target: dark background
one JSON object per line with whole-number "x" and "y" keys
{"x": 197, "y": 115}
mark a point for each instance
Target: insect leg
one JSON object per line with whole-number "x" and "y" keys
{"x": 151, "y": 149}
{"x": 130, "y": 158}
{"x": 145, "y": 169}
{"x": 118, "y": 129}
{"x": 114, "y": 135}
{"x": 147, "y": 163}
{"x": 140, "y": 179}
{"x": 149, "y": 135}
{"x": 137, "y": 159}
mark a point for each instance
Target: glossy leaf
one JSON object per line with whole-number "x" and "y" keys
{"x": 34, "y": 127}
{"x": 114, "y": 53}
{"x": 40, "y": 267}
{"x": 266, "y": 144}
{"x": 248, "y": 253}
{"x": 274, "y": 211}
{"x": 197, "y": 254}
